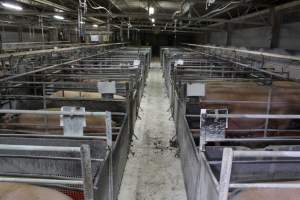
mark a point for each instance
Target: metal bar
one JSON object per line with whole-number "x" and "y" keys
{"x": 54, "y": 136}
{"x": 269, "y": 105}
{"x": 108, "y": 121}
{"x": 258, "y": 139}
{"x": 48, "y": 157}
{"x": 266, "y": 185}
{"x": 39, "y": 148}
{"x": 46, "y": 112}
{"x": 41, "y": 181}
{"x": 225, "y": 173}
{"x": 86, "y": 167}
{"x": 248, "y": 116}
{"x": 261, "y": 154}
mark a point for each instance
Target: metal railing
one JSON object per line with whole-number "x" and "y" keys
{"x": 226, "y": 170}
{"x": 86, "y": 165}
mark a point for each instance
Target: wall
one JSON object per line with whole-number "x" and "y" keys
{"x": 218, "y": 38}
{"x": 13, "y": 34}
{"x": 157, "y": 40}
{"x": 290, "y": 36}
{"x": 260, "y": 37}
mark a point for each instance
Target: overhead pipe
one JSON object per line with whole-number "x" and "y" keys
{"x": 231, "y": 5}
{"x": 119, "y": 4}
{"x": 184, "y": 8}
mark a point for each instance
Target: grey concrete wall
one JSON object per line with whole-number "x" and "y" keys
{"x": 261, "y": 37}
{"x": 218, "y": 38}
{"x": 10, "y": 36}
{"x": 255, "y": 38}
{"x": 290, "y": 36}
{"x": 13, "y": 35}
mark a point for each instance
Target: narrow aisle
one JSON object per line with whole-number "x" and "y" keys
{"x": 153, "y": 171}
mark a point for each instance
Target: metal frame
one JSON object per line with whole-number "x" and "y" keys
{"x": 104, "y": 67}
{"x": 84, "y": 150}
{"x": 229, "y": 155}
{"x": 202, "y": 165}
{"x": 21, "y": 62}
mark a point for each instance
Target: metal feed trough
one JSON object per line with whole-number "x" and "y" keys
{"x": 60, "y": 158}
{"x": 217, "y": 162}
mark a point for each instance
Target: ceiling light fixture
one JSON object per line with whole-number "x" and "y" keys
{"x": 12, "y": 6}
{"x": 95, "y": 25}
{"x": 59, "y": 17}
{"x": 152, "y": 20}
{"x": 58, "y": 10}
{"x": 151, "y": 10}
{"x": 153, "y": 25}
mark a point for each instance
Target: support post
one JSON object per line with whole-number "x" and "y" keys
{"x": 87, "y": 172}
{"x": 225, "y": 173}
{"x": 0, "y": 43}
{"x": 229, "y": 34}
{"x": 20, "y": 33}
{"x": 275, "y": 28}
{"x": 108, "y": 120}
{"x": 121, "y": 32}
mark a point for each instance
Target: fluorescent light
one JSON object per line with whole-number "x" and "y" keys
{"x": 11, "y": 6}
{"x": 95, "y": 25}
{"x": 59, "y": 17}
{"x": 151, "y": 10}
{"x": 152, "y": 20}
{"x": 58, "y": 10}
{"x": 82, "y": 22}
{"x": 153, "y": 24}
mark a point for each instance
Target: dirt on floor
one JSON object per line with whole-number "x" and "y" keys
{"x": 153, "y": 170}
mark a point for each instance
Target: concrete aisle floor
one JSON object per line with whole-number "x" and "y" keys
{"x": 153, "y": 171}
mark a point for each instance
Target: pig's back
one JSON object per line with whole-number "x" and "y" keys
{"x": 16, "y": 191}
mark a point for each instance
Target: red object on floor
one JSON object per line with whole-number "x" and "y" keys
{"x": 75, "y": 195}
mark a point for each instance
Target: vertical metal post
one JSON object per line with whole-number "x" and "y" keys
{"x": 130, "y": 109}
{"x": 45, "y": 105}
{"x": 86, "y": 167}
{"x": 275, "y": 28}
{"x": 128, "y": 31}
{"x": 175, "y": 32}
{"x": 1, "y": 44}
{"x": 202, "y": 136}
{"x": 225, "y": 173}
{"x": 268, "y": 110}
{"x": 108, "y": 121}
{"x": 121, "y": 32}
{"x": 108, "y": 28}
{"x": 34, "y": 80}
{"x": 42, "y": 27}
{"x": 202, "y": 185}
{"x": 229, "y": 33}
{"x": 20, "y": 33}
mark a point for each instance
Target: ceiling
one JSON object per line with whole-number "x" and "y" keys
{"x": 170, "y": 15}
